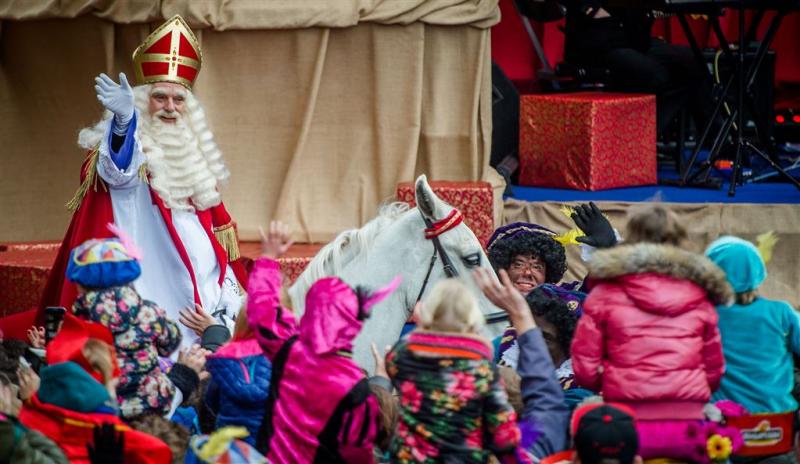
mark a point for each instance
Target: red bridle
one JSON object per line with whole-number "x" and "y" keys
{"x": 439, "y": 227}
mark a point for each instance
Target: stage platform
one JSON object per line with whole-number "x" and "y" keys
{"x": 752, "y": 192}
{"x": 755, "y": 209}
{"x": 707, "y": 214}
{"x": 775, "y": 193}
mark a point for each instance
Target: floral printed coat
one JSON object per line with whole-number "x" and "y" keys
{"x": 142, "y": 333}
{"x": 453, "y": 406}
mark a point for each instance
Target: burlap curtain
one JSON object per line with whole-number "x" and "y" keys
{"x": 320, "y": 107}
{"x": 264, "y": 14}
{"x": 706, "y": 222}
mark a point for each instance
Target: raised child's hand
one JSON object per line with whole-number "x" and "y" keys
{"x": 380, "y": 360}
{"x": 36, "y": 337}
{"x": 197, "y": 319}
{"x": 276, "y": 241}
{"x": 506, "y": 297}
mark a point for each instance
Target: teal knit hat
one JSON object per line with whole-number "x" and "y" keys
{"x": 741, "y": 262}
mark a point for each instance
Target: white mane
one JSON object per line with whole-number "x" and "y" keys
{"x": 335, "y": 255}
{"x": 389, "y": 246}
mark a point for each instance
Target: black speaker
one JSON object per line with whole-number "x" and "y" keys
{"x": 760, "y": 118}
{"x": 505, "y": 124}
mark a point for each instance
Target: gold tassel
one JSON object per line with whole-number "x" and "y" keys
{"x": 89, "y": 180}
{"x": 765, "y": 244}
{"x": 143, "y": 174}
{"x": 92, "y": 179}
{"x": 226, "y": 236}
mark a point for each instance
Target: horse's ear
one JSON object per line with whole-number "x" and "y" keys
{"x": 425, "y": 197}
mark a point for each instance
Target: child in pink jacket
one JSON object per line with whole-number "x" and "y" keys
{"x": 320, "y": 408}
{"x": 648, "y": 337}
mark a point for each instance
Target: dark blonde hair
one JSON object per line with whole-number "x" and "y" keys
{"x": 100, "y": 356}
{"x": 388, "y": 416}
{"x": 450, "y": 307}
{"x": 655, "y": 224}
{"x": 174, "y": 435}
{"x": 241, "y": 328}
{"x": 746, "y": 298}
{"x": 512, "y": 382}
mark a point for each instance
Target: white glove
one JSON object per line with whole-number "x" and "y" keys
{"x": 117, "y": 98}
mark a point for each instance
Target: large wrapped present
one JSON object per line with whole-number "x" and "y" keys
{"x": 473, "y": 199}
{"x": 587, "y": 141}
{"x": 292, "y": 267}
{"x": 23, "y": 274}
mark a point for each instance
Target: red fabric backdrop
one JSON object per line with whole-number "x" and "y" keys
{"x": 513, "y": 51}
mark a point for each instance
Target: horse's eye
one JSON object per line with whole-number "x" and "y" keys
{"x": 473, "y": 260}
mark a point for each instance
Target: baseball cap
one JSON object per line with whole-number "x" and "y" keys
{"x": 605, "y": 431}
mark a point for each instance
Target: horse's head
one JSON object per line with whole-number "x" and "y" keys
{"x": 399, "y": 242}
{"x": 460, "y": 250}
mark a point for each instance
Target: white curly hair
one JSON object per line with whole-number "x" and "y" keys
{"x": 185, "y": 164}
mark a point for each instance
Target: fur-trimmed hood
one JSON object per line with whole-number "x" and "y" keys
{"x": 643, "y": 258}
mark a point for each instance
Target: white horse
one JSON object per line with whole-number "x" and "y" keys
{"x": 392, "y": 244}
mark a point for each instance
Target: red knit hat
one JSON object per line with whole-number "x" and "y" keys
{"x": 68, "y": 344}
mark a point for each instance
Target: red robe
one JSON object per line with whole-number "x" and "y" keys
{"x": 89, "y": 221}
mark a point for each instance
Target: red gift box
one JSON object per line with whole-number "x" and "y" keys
{"x": 293, "y": 267}
{"x": 587, "y": 141}
{"x": 24, "y": 268}
{"x": 474, "y": 199}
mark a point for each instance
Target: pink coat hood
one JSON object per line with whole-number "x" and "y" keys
{"x": 335, "y": 314}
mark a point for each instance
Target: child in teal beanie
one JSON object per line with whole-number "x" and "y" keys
{"x": 759, "y": 335}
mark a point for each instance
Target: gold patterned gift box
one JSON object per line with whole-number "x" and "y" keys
{"x": 23, "y": 274}
{"x": 587, "y": 141}
{"x": 473, "y": 199}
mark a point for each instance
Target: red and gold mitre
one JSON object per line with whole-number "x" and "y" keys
{"x": 170, "y": 54}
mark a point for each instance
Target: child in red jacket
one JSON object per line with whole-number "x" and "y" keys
{"x": 648, "y": 337}
{"x": 77, "y": 396}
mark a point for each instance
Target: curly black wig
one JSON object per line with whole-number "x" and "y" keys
{"x": 555, "y": 311}
{"x": 541, "y": 246}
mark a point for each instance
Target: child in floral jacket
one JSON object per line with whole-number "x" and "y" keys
{"x": 453, "y": 405}
{"x": 104, "y": 271}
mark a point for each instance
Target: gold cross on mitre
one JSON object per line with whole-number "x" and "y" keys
{"x": 171, "y": 53}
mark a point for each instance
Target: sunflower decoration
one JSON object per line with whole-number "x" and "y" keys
{"x": 766, "y": 243}
{"x": 570, "y": 237}
{"x": 719, "y": 448}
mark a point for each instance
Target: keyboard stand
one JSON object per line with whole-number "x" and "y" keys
{"x": 746, "y": 80}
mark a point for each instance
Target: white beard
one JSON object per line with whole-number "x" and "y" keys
{"x": 179, "y": 172}
{"x": 184, "y": 162}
